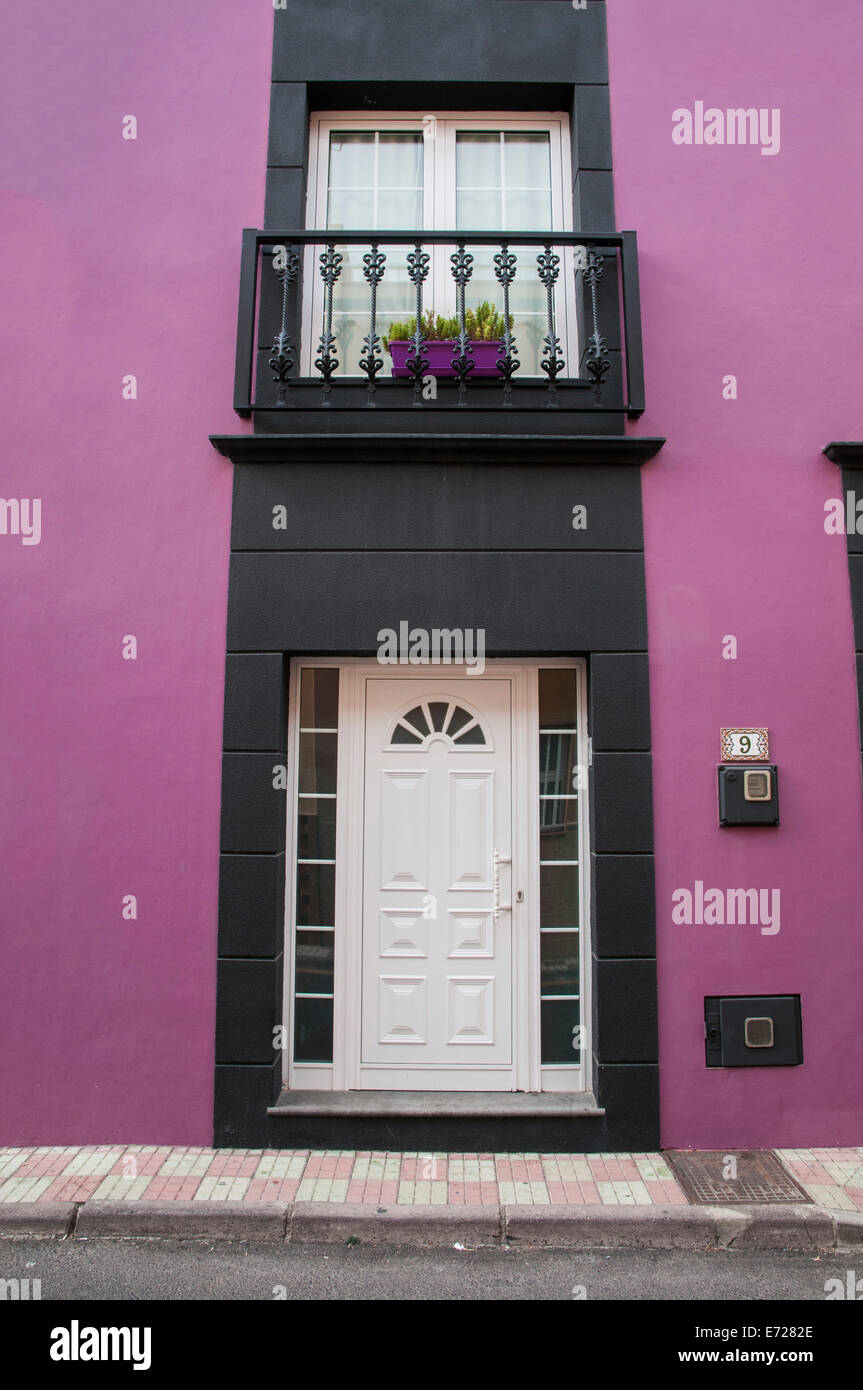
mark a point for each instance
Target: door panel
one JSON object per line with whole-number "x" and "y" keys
{"x": 437, "y": 966}
{"x": 404, "y": 849}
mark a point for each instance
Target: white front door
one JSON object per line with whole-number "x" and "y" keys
{"x": 437, "y": 943}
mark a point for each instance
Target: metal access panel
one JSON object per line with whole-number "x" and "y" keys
{"x": 753, "y": 1030}
{"x": 748, "y": 795}
{"x": 731, "y": 1178}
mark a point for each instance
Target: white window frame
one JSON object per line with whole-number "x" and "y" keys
{"x": 439, "y": 130}
{"x": 343, "y": 1074}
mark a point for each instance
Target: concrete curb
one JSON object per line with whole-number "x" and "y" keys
{"x": 849, "y": 1227}
{"x": 258, "y": 1221}
{"x": 438, "y": 1225}
{"x": 610, "y": 1228}
{"x": 785, "y": 1228}
{"x": 22, "y": 1219}
{"x": 523, "y": 1227}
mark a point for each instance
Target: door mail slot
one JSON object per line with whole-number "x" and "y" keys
{"x": 753, "y": 1031}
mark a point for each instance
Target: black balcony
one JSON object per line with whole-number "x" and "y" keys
{"x": 290, "y": 360}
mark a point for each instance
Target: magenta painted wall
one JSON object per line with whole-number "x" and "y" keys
{"x": 750, "y": 265}
{"x": 120, "y": 256}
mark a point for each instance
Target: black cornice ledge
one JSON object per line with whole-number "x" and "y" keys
{"x": 438, "y": 448}
{"x": 845, "y": 453}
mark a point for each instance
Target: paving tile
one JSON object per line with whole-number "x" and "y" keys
{"x": 65, "y": 1189}
{"x": 640, "y": 1192}
{"x": 24, "y": 1189}
{"x": 833, "y": 1197}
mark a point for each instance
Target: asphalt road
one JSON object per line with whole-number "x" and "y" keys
{"x": 186, "y": 1270}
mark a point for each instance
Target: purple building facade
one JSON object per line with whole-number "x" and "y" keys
{"x": 140, "y": 152}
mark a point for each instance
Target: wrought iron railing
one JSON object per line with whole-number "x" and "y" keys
{"x": 601, "y": 273}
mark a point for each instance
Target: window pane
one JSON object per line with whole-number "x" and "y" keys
{"x": 352, "y": 159}
{"x": 400, "y": 159}
{"x": 558, "y": 895}
{"x": 313, "y": 1030}
{"x": 527, "y": 159}
{"x": 560, "y": 1021}
{"x": 557, "y": 699}
{"x": 397, "y": 210}
{"x": 527, "y": 212}
{"x": 559, "y": 962}
{"x": 319, "y": 698}
{"x": 314, "y": 959}
{"x": 474, "y": 735}
{"x": 459, "y": 718}
{"x": 417, "y": 719}
{"x": 558, "y": 756}
{"x": 318, "y": 762}
{"x": 530, "y": 335}
{"x": 350, "y": 210}
{"x": 558, "y": 829}
{"x": 316, "y": 895}
{"x": 438, "y": 711}
{"x": 403, "y": 735}
{"x": 480, "y": 211}
{"x": 316, "y": 835}
{"x": 477, "y": 162}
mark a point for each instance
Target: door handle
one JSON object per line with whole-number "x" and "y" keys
{"x": 499, "y": 907}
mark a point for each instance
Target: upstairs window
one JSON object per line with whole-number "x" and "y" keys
{"x": 419, "y": 173}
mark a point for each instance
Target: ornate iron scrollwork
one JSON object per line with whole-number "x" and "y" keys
{"x": 418, "y": 269}
{"x": 284, "y": 353}
{"x": 374, "y": 264}
{"x": 548, "y": 269}
{"x": 598, "y": 361}
{"x": 462, "y": 269}
{"x": 505, "y": 267}
{"x": 330, "y": 262}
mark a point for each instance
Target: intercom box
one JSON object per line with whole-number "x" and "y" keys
{"x": 762, "y": 1030}
{"x": 748, "y": 794}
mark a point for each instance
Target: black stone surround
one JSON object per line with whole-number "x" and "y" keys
{"x": 849, "y": 457}
{"x": 457, "y": 533}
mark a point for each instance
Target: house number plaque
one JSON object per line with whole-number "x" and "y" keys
{"x": 744, "y": 746}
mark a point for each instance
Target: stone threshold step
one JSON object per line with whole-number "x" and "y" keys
{"x": 481, "y": 1104}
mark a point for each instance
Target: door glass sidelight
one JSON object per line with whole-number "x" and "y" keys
{"x": 560, "y": 779}
{"x": 314, "y": 898}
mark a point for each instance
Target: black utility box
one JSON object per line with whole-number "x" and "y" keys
{"x": 762, "y": 1030}
{"x": 748, "y": 794}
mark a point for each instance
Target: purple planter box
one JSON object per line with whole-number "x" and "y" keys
{"x": 441, "y": 353}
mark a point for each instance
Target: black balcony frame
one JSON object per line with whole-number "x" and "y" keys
{"x": 582, "y": 393}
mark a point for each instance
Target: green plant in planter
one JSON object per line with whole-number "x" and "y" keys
{"x": 486, "y": 325}
{"x": 483, "y": 324}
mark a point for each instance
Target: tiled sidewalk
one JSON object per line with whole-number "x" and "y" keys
{"x": 833, "y": 1177}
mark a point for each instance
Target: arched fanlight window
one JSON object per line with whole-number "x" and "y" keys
{"x": 448, "y": 720}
